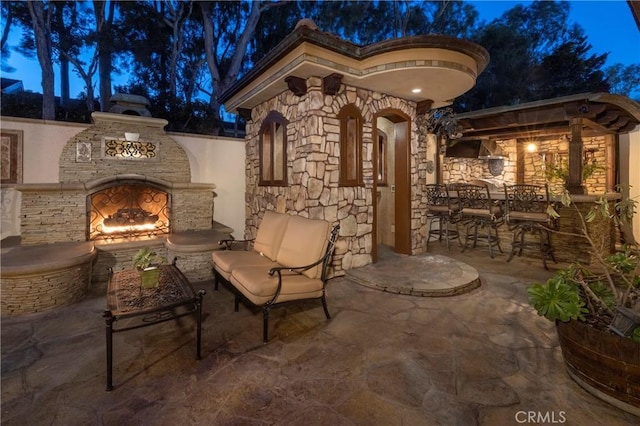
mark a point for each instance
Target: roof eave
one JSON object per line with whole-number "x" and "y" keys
{"x": 333, "y": 43}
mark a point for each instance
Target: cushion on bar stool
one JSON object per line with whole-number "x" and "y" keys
{"x": 441, "y": 208}
{"x": 480, "y": 211}
{"x": 526, "y": 214}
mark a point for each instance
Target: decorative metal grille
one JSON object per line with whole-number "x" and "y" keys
{"x": 120, "y": 148}
{"x": 126, "y": 212}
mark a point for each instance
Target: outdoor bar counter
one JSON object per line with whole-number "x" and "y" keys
{"x": 602, "y": 230}
{"x": 568, "y": 246}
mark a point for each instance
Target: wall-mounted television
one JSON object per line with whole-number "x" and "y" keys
{"x": 463, "y": 149}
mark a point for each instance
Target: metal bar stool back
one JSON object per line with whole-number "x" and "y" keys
{"x": 526, "y": 209}
{"x": 441, "y": 209}
{"x": 479, "y": 211}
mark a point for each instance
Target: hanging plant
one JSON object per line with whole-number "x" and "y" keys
{"x": 560, "y": 170}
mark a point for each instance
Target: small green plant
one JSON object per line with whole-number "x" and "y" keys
{"x": 557, "y": 299}
{"x": 591, "y": 293}
{"x": 144, "y": 258}
{"x": 560, "y": 171}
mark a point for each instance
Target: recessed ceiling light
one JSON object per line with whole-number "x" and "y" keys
{"x": 416, "y": 90}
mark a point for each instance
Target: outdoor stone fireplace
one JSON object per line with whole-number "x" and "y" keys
{"x": 128, "y": 210}
{"x": 97, "y": 185}
{"x": 123, "y": 184}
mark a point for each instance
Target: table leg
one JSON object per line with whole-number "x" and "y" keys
{"x": 199, "y": 321}
{"x": 108, "y": 319}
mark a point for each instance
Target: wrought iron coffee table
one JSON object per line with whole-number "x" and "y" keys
{"x": 172, "y": 298}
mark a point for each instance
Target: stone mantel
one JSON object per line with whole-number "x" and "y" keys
{"x": 88, "y": 186}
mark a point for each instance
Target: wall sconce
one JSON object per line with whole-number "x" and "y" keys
{"x": 532, "y": 147}
{"x": 131, "y": 137}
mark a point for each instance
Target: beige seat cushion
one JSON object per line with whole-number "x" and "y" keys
{"x": 270, "y": 233}
{"x": 225, "y": 261}
{"x": 304, "y": 242}
{"x": 494, "y": 212}
{"x": 255, "y": 283}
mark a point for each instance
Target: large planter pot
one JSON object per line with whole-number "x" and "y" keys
{"x": 606, "y": 365}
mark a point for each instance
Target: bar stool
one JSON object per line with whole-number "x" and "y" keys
{"x": 526, "y": 213}
{"x": 442, "y": 209}
{"x": 480, "y": 211}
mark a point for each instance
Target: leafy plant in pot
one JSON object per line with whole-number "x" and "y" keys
{"x": 596, "y": 309}
{"x": 146, "y": 262}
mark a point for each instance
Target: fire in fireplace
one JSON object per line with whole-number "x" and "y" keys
{"x": 128, "y": 211}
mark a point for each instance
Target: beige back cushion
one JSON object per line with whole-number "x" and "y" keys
{"x": 270, "y": 233}
{"x": 304, "y": 242}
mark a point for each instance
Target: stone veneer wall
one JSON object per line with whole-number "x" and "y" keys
{"x": 171, "y": 164}
{"x": 38, "y": 292}
{"x": 313, "y": 151}
{"x": 52, "y": 213}
{"x": 467, "y": 169}
{"x": 534, "y": 168}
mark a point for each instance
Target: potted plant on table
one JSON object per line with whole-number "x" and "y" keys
{"x": 145, "y": 261}
{"x": 596, "y": 309}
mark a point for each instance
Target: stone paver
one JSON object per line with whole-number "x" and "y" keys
{"x": 383, "y": 359}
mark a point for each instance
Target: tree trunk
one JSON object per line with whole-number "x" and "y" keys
{"x": 178, "y": 17}
{"x": 219, "y": 83}
{"x": 7, "y": 26}
{"x": 103, "y": 24}
{"x": 64, "y": 81}
{"x": 42, "y": 31}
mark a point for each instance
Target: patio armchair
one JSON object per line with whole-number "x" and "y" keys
{"x": 289, "y": 262}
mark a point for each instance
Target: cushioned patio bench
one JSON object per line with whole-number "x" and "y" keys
{"x": 288, "y": 262}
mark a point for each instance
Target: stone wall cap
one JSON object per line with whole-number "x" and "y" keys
{"x": 36, "y": 259}
{"x": 195, "y": 241}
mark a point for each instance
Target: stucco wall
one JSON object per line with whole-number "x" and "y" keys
{"x": 213, "y": 160}
{"x": 630, "y": 171}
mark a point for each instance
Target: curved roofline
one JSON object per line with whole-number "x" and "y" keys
{"x": 623, "y": 102}
{"x": 603, "y": 113}
{"x": 334, "y": 43}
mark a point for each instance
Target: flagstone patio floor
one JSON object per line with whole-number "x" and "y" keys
{"x": 482, "y": 357}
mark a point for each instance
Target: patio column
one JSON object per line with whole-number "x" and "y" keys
{"x": 610, "y": 162}
{"x": 574, "y": 180}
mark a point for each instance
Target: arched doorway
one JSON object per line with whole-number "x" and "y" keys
{"x": 392, "y": 182}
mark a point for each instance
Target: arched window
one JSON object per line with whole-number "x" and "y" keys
{"x": 273, "y": 150}
{"x": 382, "y": 158}
{"x": 350, "y": 146}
